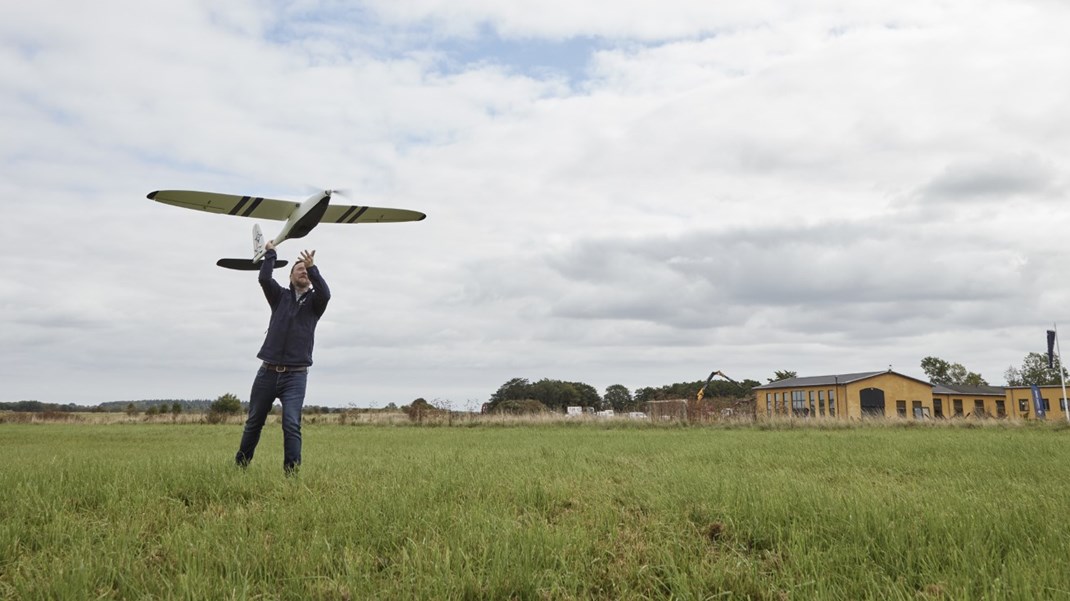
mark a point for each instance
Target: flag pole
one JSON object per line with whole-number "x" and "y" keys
{"x": 1066, "y": 401}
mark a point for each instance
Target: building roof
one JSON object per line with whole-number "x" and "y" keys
{"x": 967, "y": 390}
{"x": 1028, "y": 386}
{"x": 841, "y": 379}
{"x": 832, "y": 380}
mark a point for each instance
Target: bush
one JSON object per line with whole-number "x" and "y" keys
{"x": 521, "y": 407}
{"x": 420, "y": 409}
{"x": 223, "y": 407}
{"x": 227, "y": 404}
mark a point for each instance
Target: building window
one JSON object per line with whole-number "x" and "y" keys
{"x": 957, "y": 405}
{"x": 832, "y": 404}
{"x": 1023, "y": 406}
{"x": 798, "y": 403}
{"x": 919, "y": 411}
{"x": 938, "y": 407}
{"x": 1001, "y": 408}
{"x": 813, "y": 408}
{"x": 1047, "y": 405}
{"x": 979, "y": 407}
{"x": 768, "y": 404}
{"x": 901, "y": 408}
{"x": 1062, "y": 404}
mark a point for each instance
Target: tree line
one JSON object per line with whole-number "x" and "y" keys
{"x": 519, "y": 395}
{"x": 157, "y": 405}
{"x": 1033, "y": 371}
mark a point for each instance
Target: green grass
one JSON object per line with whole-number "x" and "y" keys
{"x": 538, "y": 512}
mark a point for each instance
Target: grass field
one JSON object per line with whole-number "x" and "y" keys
{"x": 142, "y": 511}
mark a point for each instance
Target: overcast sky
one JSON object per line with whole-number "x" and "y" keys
{"x": 629, "y": 193}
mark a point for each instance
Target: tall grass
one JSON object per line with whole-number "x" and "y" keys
{"x": 541, "y": 512}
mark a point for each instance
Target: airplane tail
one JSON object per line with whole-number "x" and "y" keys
{"x": 258, "y": 243}
{"x": 246, "y": 264}
{"x": 258, "y": 255}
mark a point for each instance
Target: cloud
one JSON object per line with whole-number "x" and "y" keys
{"x": 614, "y": 193}
{"x": 994, "y": 178}
{"x": 834, "y": 275}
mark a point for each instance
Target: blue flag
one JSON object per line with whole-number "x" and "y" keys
{"x": 1038, "y": 403}
{"x": 1051, "y": 349}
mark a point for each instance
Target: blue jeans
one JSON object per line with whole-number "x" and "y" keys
{"x": 288, "y": 387}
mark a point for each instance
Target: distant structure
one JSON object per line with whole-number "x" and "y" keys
{"x": 891, "y": 394}
{"x": 667, "y": 409}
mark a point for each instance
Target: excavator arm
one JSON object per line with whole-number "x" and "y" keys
{"x": 694, "y": 409}
{"x": 702, "y": 391}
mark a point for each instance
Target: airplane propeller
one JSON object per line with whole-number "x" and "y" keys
{"x": 345, "y": 192}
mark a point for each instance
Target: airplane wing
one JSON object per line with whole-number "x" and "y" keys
{"x": 358, "y": 214}
{"x": 228, "y": 204}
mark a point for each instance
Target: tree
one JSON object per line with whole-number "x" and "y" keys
{"x": 1035, "y": 370}
{"x": 783, "y": 375}
{"x": 227, "y": 404}
{"x": 645, "y": 395}
{"x": 420, "y": 408}
{"x": 588, "y": 394}
{"x": 950, "y": 374}
{"x": 618, "y": 397}
{"x": 554, "y": 394}
{"x": 176, "y": 408}
{"x": 513, "y": 390}
{"x": 689, "y": 390}
{"x": 131, "y": 409}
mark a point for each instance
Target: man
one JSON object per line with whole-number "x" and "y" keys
{"x": 286, "y": 353}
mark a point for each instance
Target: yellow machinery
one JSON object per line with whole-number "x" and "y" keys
{"x": 695, "y": 408}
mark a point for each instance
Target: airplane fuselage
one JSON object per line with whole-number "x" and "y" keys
{"x": 305, "y": 216}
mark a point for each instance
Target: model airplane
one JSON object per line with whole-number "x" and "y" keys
{"x": 300, "y": 217}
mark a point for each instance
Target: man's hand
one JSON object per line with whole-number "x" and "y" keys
{"x": 270, "y": 245}
{"x": 308, "y": 258}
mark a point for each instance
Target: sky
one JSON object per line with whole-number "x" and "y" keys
{"x": 632, "y": 193}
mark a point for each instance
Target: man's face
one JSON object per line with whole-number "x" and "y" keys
{"x": 299, "y": 276}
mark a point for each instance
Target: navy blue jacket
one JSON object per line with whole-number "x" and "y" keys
{"x": 292, "y": 330}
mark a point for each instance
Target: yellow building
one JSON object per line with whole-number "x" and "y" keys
{"x": 1020, "y": 401}
{"x": 891, "y": 394}
{"x": 970, "y": 401}
{"x": 865, "y": 394}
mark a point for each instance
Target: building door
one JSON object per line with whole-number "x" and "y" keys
{"x": 872, "y": 401}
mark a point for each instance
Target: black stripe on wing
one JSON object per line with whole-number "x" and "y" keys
{"x": 357, "y": 216}
{"x": 237, "y": 207}
{"x": 252, "y": 207}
